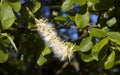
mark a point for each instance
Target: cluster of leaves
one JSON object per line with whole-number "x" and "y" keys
{"x": 12, "y": 15}
{"x": 100, "y": 42}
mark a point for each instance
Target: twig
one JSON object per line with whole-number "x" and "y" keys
{"x": 99, "y": 16}
{"x": 61, "y": 69}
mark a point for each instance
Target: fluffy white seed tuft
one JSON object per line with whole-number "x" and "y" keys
{"x": 49, "y": 35}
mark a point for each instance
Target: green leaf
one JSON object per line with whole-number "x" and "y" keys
{"x": 111, "y": 22}
{"x": 97, "y": 48}
{"x": 97, "y": 32}
{"x": 110, "y": 60}
{"x": 41, "y": 60}
{"x": 67, "y": 5}
{"x": 81, "y": 2}
{"x": 15, "y": 5}
{"x": 11, "y": 41}
{"x": 3, "y": 56}
{"x": 46, "y": 51}
{"x": 37, "y": 6}
{"x": 115, "y": 37}
{"x": 86, "y": 44}
{"x": 87, "y": 58}
{"x": 6, "y": 15}
{"x": 118, "y": 48}
{"x": 60, "y": 18}
{"x": 71, "y": 17}
{"x": 76, "y": 48}
{"x": 82, "y": 20}
{"x": 94, "y": 1}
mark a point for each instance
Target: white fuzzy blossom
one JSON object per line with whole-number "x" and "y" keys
{"x": 49, "y": 35}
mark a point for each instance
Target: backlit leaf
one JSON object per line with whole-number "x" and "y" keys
{"x": 46, "y": 51}
{"x": 41, "y": 60}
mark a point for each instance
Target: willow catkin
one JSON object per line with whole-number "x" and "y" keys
{"x": 49, "y": 35}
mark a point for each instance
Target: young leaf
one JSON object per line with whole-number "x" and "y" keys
{"x": 86, "y": 44}
{"x": 97, "y": 48}
{"x": 82, "y": 20}
{"x": 114, "y": 36}
{"x": 3, "y": 56}
{"x": 87, "y": 58}
{"x": 6, "y": 15}
{"x": 110, "y": 60}
{"x": 41, "y": 60}
{"x": 46, "y": 51}
{"x": 97, "y": 32}
{"x": 67, "y": 5}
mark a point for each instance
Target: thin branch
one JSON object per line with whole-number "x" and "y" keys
{"x": 99, "y": 16}
{"x": 62, "y": 68}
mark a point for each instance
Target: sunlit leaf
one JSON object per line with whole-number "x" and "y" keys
{"x": 3, "y": 56}
{"x": 67, "y": 5}
{"x": 37, "y": 6}
{"x": 46, "y": 51}
{"x": 87, "y": 58}
{"x": 114, "y": 36}
{"x": 76, "y": 47}
{"x": 60, "y": 18}
{"x": 6, "y": 15}
{"x": 110, "y": 60}
{"x": 41, "y": 60}
{"x": 82, "y": 20}
{"x": 15, "y": 5}
{"x": 97, "y": 32}
{"x": 86, "y": 44}
{"x": 97, "y": 48}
